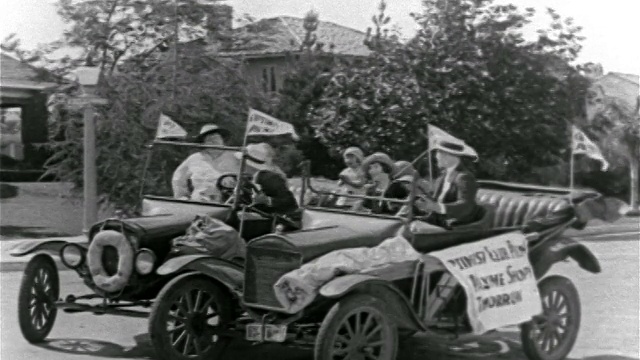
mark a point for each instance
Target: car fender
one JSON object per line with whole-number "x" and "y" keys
{"x": 551, "y": 252}
{"x": 51, "y": 247}
{"x": 399, "y": 305}
{"x": 229, "y": 274}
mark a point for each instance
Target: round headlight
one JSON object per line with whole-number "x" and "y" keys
{"x": 145, "y": 260}
{"x": 72, "y": 255}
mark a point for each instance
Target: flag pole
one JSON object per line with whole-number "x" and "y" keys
{"x": 571, "y": 167}
{"x": 243, "y": 162}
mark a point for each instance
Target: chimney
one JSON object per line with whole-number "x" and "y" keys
{"x": 219, "y": 22}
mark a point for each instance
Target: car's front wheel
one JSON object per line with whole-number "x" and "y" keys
{"x": 552, "y": 335}
{"x": 357, "y": 327}
{"x": 187, "y": 318}
{"x": 39, "y": 290}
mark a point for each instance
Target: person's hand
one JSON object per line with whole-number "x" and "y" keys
{"x": 425, "y": 204}
{"x": 261, "y": 198}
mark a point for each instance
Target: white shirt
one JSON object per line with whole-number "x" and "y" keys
{"x": 446, "y": 185}
{"x": 203, "y": 171}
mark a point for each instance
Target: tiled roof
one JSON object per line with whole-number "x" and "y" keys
{"x": 15, "y": 69}
{"x": 285, "y": 34}
{"x": 16, "y": 74}
{"x": 629, "y": 77}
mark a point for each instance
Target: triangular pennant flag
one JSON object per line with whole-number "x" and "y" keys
{"x": 262, "y": 124}
{"x": 581, "y": 144}
{"x": 167, "y": 128}
{"x": 437, "y": 135}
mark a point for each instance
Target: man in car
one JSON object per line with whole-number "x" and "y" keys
{"x": 273, "y": 195}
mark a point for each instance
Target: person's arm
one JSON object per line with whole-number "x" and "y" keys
{"x": 180, "y": 180}
{"x": 467, "y": 189}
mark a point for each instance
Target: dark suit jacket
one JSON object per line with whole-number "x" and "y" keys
{"x": 274, "y": 186}
{"x": 460, "y": 200}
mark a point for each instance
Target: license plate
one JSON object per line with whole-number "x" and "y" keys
{"x": 272, "y": 333}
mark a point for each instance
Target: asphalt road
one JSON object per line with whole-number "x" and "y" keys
{"x": 609, "y": 330}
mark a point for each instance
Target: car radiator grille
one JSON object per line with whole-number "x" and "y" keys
{"x": 263, "y": 268}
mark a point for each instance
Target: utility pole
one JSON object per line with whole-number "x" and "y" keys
{"x": 88, "y": 78}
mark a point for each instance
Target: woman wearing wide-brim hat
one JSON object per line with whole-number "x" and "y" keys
{"x": 195, "y": 179}
{"x": 454, "y": 200}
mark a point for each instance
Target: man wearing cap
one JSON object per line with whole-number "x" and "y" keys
{"x": 196, "y": 177}
{"x": 454, "y": 200}
{"x": 273, "y": 195}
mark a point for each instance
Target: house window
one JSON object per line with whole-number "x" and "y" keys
{"x": 269, "y": 81}
{"x": 11, "y": 133}
{"x": 265, "y": 80}
{"x": 273, "y": 79}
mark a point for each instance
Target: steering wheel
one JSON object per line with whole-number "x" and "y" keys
{"x": 227, "y": 182}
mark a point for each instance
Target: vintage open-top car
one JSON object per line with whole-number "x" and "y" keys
{"x": 199, "y": 303}
{"x": 365, "y": 313}
{"x": 118, "y": 262}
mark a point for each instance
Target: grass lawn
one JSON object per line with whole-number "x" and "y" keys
{"x": 41, "y": 210}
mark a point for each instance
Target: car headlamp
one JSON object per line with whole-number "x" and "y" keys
{"x": 72, "y": 256}
{"x": 145, "y": 261}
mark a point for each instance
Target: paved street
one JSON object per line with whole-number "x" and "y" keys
{"x": 609, "y": 329}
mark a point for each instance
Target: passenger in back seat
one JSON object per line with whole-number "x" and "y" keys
{"x": 454, "y": 200}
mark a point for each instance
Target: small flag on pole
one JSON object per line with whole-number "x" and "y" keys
{"x": 581, "y": 144}
{"x": 167, "y": 128}
{"x": 262, "y": 124}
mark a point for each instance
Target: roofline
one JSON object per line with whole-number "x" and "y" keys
{"x": 618, "y": 75}
{"x": 282, "y": 54}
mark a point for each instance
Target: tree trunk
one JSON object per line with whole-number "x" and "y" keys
{"x": 633, "y": 175}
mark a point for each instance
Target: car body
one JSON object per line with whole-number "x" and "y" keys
{"x": 404, "y": 299}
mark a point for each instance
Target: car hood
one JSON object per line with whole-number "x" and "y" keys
{"x": 325, "y": 231}
{"x": 159, "y": 225}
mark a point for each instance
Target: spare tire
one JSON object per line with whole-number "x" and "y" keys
{"x": 101, "y": 278}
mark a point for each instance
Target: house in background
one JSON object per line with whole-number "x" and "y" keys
{"x": 23, "y": 103}
{"x": 270, "y": 47}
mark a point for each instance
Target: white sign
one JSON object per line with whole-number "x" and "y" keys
{"x": 498, "y": 280}
{"x": 260, "y": 123}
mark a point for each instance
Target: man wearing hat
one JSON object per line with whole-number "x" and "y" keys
{"x": 196, "y": 177}
{"x": 273, "y": 194}
{"x": 454, "y": 200}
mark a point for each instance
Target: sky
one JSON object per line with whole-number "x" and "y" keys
{"x": 611, "y": 28}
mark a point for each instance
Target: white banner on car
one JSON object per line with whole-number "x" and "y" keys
{"x": 498, "y": 280}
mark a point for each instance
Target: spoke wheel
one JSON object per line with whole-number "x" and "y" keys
{"x": 357, "y": 328}
{"x": 552, "y": 335}
{"x": 39, "y": 290}
{"x": 185, "y": 317}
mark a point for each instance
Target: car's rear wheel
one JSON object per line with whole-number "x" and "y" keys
{"x": 186, "y": 318}
{"x": 357, "y": 327}
{"x": 552, "y": 335}
{"x": 39, "y": 290}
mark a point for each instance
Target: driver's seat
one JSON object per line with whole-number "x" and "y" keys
{"x": 484, "y": 219}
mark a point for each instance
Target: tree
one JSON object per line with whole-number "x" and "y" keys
{"x": 128, "y": 40}
{"x": 105, "y": 33}
{"x": 470, "y": 71}
{"x": 196, "y": 91}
